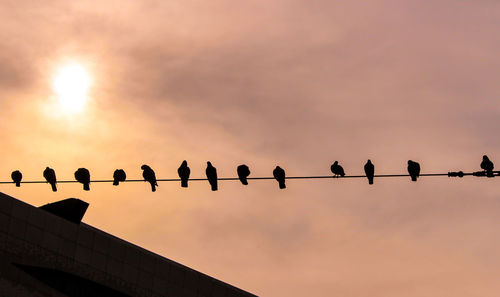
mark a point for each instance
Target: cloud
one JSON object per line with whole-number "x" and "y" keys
{"x": 291, "y": 83}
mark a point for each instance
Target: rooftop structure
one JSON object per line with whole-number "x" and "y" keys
{"x": 48, "y": 251}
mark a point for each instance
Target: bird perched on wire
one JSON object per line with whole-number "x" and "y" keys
{"x": 279, "y": 175}
{"x": 149, "y": 176}
{"x": 369, "y": 171}
{"x": 243, "y": 173}
{"x": 82, "y": 175}
{"x": 118, "y": 176}
{"x": 337, "y": 170}
{"x": 50, "y": 176}
{"x": 17, "y": 176}
{"x": 488, "y": 166}
{"x": 184, "y": 173}
{"x": 413, "y": 170}
{"x": 211, "y": 173}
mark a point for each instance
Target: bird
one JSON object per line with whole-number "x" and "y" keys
{"x": 279, "y": 175}
{"x": 211, "y": 172}
{"x": 118, "y": 176}
{"x": 82, "y": 175}
{"x": 337, "y": 169}
{"x": 184, "y": 173}
{"x": 50, "y": 176}
{"x": 17, "y": 176}
{"x": 413, "y": 170}
{"x": 149, "y": 176}
{"x": 369, "y": 171}
{"x": 487, "y": 165}
{"x": 243, "y": 173}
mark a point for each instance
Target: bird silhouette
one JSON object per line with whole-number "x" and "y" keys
{"x": 279, "y": 175}
{"x": 488, "y": 166}
{"x": 413, "y": 170}
{"x": 50, "y": 176}
{"x": 184, "y": 173}
{"x": 17, "y": 176}
{"x": 118, "y": 176}
{"x": 82, "y": 175}
{"x": 337, "y": 170}
{"x": 243, "y": 173}
{"x": 149, "y": 176}
{"x": 369, "y": 171}
{"x": 211, "y": 172}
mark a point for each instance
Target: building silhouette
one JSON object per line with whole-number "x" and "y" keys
{"x": 48, "y": 251}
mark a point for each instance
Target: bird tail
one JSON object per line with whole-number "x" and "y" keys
{"x": 18, "y": 184}
{"x": 86, "y": 187}
{"x": 184, "y": 183}
{"x": 153, "y": 187}
{"x": 214, "y": 186}
{"x": 54, "y": 188}
{"x": 414, "y": 178}
{"x": 370, "y": 180}
{"x": 244, "y": 181}
{"x": 116, "y": 182}
{"x": 282, "y": 184}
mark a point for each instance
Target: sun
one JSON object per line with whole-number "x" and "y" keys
{"x": 71, "y": 84}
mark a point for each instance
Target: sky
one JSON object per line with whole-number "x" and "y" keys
{"x": 297, "y": 84}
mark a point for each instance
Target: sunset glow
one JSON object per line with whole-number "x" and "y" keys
{"x": 71, "y": 84}
{"x": 298, "y": 84}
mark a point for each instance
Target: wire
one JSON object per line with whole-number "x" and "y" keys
{"x": 449, "y": 174}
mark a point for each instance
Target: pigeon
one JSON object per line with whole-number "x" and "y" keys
{"x": 487, "y": 165}
{"x": 369, "y": 171}
{"x": 82, "y": 175}
{"x": 211, "y": 172}
{"x": 50, "y": 176}
{"x": 243, "y": 173}
{"x": 149, "y": 176}
{"x": 118, "y": 176}
{"x": 279, "y": 175}
{"x": 17, "y": 176}
{"x": 184, "y": 173}
{"x": 413, "y": 170}
{"x": 337, "y": 169}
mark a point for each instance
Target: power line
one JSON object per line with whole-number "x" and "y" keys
{"x": 449, "y": 174}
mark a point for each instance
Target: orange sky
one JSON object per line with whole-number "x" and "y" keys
{"x": 292, "y": 83}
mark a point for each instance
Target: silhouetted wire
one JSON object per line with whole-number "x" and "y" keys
{"x": 497, "y": 173}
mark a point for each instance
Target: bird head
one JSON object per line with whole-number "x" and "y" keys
{"x": 144, "y": 167}
{"x": 184, "y": 163}
{"x": 369, "y": 161}
{"x": 209, "y": 164}
{"x": 83, "y": 171}
{"x": 335, "y": 163}
{"x": 485, "y": 158}
{"x": 409, "y": 162}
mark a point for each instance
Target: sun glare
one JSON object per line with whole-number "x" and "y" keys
{"x": 71, "y": 84}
